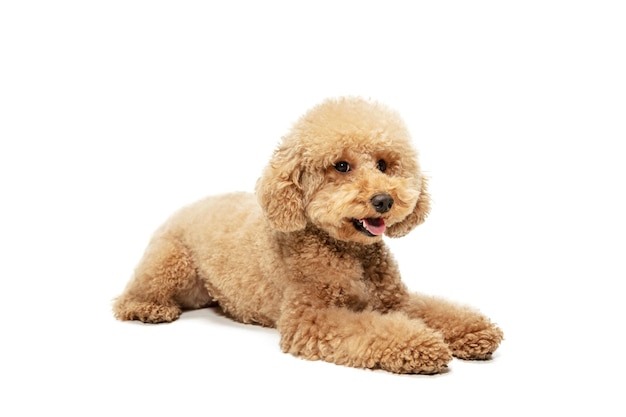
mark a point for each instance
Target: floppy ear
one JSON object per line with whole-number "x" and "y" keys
{"x": 416, "y": 217}
{"x": 279, "y": 191}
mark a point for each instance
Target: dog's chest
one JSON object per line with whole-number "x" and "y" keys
{"x": 345, "y": 275}
{"x": 361, "y": 288}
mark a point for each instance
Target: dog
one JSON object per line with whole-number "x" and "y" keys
{"x": 305, "y": 254}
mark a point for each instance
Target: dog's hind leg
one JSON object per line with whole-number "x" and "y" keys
{"x": 163, "y": 280}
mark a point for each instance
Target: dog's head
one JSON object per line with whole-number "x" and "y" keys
{"x": 348, "y": 168}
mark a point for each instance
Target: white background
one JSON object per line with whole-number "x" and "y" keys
{"x": 114, "y": 114}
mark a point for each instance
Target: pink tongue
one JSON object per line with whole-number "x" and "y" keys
{"x": 375, "y": 226}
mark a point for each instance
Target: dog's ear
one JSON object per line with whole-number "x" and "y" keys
{"x": 416, "y": 217}
{"x": 279, "y": 191}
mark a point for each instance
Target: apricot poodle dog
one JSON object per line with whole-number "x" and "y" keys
{"x": 307, "y": 256}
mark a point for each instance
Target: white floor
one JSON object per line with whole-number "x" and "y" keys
{"x": 115, "y": 114}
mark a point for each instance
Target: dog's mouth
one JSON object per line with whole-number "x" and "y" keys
{"x": 371, "y": 227}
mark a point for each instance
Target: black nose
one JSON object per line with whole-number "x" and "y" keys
{"x": 382, "y": 202}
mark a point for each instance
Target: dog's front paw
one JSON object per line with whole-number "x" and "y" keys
{"x": 478, "y": 345}
{"x": 146, "y": 312}
{"x": 423, "y": 355}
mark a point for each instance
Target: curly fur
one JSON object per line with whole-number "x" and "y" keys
{"x": 295, "y": 257}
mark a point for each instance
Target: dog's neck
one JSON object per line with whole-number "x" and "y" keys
{"x": 313, "y": 236}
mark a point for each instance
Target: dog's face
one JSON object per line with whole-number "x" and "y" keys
{"x": 362, "y": 193}
{"x": 348, "y": 168}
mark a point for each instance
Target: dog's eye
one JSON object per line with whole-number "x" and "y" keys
{"x": 342, "y": 166}
{"x": 381, "y": 165}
